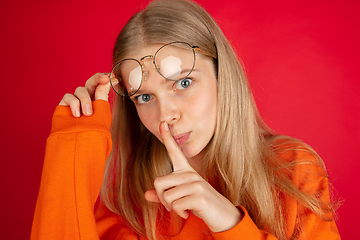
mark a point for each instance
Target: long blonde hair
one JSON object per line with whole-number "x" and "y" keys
{"x": 240, "y": 161}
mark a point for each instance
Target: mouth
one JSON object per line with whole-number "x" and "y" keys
{"x": 180, "y": 139}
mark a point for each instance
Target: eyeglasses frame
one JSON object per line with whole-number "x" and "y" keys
{"x": 141, "y": 63}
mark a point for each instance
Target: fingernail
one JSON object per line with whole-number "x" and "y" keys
{"x": 77, "y": 112}
{"x": 115, "y": 81}
{"x": 103, "y": 74}
{"x": 166, "y": 126}
{"x": 88, "y": 109}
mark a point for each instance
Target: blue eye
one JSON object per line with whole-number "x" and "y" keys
{"x": 184, "y": 83}
{"x": 143, "y": 98}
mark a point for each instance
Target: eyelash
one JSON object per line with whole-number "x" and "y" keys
{"x": 136, "y": 98}
{"x": 179, "y": 81}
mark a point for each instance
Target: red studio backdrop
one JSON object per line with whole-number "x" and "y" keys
{"x": 301, "y": 58}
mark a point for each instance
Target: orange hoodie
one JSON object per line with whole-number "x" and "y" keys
{"x": 72, "y": 177}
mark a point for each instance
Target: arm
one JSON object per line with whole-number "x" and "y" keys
{"x": 311, "y": 179}
{"x": 302, "y": 223}
{"x": 74, "y": 164}
{"x": 72, "y": 174}
{"x": 175, "y": 192}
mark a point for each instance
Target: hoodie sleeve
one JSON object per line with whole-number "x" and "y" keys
{"x": 73, "y": 170}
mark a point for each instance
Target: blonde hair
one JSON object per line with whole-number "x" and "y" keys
{"x": 241, "y": 159}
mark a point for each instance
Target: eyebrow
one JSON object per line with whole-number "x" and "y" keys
{"x": 188, "y": 70}
{"x": 140, "y": 92}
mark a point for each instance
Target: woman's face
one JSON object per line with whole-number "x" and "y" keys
{"x": 188, "y": 105}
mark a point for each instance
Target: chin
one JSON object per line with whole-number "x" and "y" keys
{"x": 189, "y": 152}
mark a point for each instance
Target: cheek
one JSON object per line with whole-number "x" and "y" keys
{"x": 149, "y": 120}
{"x": 207, "y": 105}
{"x": 208, "y": 115}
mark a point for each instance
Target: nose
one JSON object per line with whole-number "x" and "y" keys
{"x": 169, "y": 111}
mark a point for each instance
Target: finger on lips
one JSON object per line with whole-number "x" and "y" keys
{"x": 169, "y": 188}
{"x": 178, "y": 159}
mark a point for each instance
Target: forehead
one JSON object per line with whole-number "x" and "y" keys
{"x": 143, "y": 50}
{"x": 175, "y": 48}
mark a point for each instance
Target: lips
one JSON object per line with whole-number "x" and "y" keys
{"x": 180, "y": 139}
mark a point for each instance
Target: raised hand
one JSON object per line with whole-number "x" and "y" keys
{"x": 185, "y": 190}
{"x": 97, "y": 87}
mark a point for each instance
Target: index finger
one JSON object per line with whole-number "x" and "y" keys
{"x": 94, "y": 81}
{"x": 179, "y": 161}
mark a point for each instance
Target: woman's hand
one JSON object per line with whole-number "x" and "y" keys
{"x": 184, "y": 189}
{"x": 97, "y": 87}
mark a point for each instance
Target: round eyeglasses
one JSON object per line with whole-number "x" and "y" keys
{"x": 173, "y": 61}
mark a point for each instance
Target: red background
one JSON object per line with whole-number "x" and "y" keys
{"x": 301, "y": 58}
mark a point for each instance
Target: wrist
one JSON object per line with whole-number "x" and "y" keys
{"x": 235, "y": 218}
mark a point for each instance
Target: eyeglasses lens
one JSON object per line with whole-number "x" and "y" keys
{"x": 129, "y": 75}
{"x": 173, "y": 61}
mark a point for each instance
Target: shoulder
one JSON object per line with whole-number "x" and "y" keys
{"x": 304, "y": 176}
{"x": 296, "y": 158}
{"x": 291, "y": 149}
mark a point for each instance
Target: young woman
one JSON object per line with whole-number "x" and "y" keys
{"x": 188, "y": 156}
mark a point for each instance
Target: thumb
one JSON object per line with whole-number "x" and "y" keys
{"x": 179, "y": 161}
{"x": 151, "y": 196}
{"x": 103, "y": 89}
